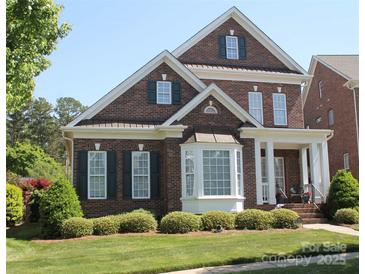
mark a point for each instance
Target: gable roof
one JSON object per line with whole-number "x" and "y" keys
{"x": 222, "y": 97}
{"x": 248, "y": 25}
{"x": 163, "y": 57}
{"x": 346, "y": 65}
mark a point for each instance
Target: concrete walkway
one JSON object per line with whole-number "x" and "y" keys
{"x": 299, "y": 260}
{"x": 333, "y": 228}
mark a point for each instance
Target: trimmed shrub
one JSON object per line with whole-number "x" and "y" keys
{"x": 285, "y": 218}
{"x": 106, "y": 225}
{"x": 137, "y": 222}
{"x": 59, "y": 203}
{"x": 76, "y": 227}
{"x": 347, "y": 216}
{"x": 212, "y": 219}
{"x": 343, "y": 192}
{"x": 254, "y": 219}
{"x": 179, "y": 222}
{"x": 14, "y": 205}
{"x": 142, "y": 210}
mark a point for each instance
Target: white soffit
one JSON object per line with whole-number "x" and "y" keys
{"x": 248, "y": 25}
{"x": 163, "y": 57}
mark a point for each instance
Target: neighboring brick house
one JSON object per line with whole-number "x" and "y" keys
{"x": 190, "y": 130}
{"x": 331, "y": 101}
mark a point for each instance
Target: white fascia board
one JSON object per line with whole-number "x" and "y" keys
{"x": 311, "y": 70}
{"x": 163, "y": 57}
{"x": 216, "y": 92}
{"x": 248, "y": 25}
{"x": 288, "y": 135}
{"x": 351, "y": 84}
{"x": 251, "y": 76}
{"x": 157, "y": 133}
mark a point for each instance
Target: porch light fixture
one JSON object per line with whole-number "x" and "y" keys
{"x": 140, "y": 147}
{"x": 163, "y": 77}
{"x": 97, "y": 146}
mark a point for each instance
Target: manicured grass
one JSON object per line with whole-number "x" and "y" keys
{"x": 351, "y": 267}
{"x": 156, "y": 253}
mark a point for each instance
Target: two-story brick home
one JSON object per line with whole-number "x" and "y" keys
{"x": 216, "y": 124}
{"x": 331, "y": 101}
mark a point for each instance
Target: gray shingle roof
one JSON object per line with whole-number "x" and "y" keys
{"x": 348, "y": 65}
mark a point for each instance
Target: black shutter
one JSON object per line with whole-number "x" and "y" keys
{"x": 111, "y": 174}
{"x": 155, "y": 173}
{"x": 222, "y": 46}
{"x": 82, "y": 175}
{"x": 242, "y": 47}
{"x": 127, "y": 174}
{"x": 176, "y": 92}
{"x": 151, "y": 91}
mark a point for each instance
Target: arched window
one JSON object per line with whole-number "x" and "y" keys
{"x": 210, "y": 110}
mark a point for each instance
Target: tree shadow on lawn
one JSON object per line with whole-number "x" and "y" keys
{"x": 25, "y": 231}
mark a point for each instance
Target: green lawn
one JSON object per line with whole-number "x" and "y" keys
{"x": 351, "y": 267}
{"x": 155, "y": 253}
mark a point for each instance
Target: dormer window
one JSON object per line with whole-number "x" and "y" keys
{"x": 232, "y": 47}
{"x": 210, "y": 110}
{"x": 163, "y": 92}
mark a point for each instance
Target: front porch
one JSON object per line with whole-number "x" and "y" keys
{"x": 274, "y": 184}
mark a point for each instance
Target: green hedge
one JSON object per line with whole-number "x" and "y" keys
{"x": 179, "y": 222}
{"x": 59, "y": 203}
{"x": 347, "y": 216}
{"x": 212, "y": 219}
{"x": 285, "y": 218}
{"x": 343, "y": 192}
{"x": 137, "y": 222}
{"x": 106, "y": 225}
{"x": 76, "y": 227}
{"x": 254, "y": 219}
{"x": 14, "y": 205}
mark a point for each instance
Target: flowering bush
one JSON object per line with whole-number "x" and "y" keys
{"x": 39, "y": 183}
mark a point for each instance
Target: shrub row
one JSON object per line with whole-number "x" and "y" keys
{"x": 347, "y": 216}
{"x": 179, "y": 222}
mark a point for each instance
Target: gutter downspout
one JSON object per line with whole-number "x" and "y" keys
{"x": 329, "y": 137}
{"x": 72, "y": 154}
{"x": 357, "y": 122}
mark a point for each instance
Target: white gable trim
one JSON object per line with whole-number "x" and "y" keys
{"x": 163, "y": 57}
{"x": 216, "y": 92}
{"x": 258, "y": 34}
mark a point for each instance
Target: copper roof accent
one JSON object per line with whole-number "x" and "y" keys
{"x": 238, "y": 69}
{"x": 345, "y": 64}
{"x": 117, "y": 125}
{"x": 199, "y": 137}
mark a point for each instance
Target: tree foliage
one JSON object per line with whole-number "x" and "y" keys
{"x": 67, "y": 108}
{"x": 32, "y": 32}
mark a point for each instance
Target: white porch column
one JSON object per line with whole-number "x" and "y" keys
{"x": 304, "y": 167}
{"x": 269, "y": 158}
{"x": 325, "y": 168}
{"x": 259, "y": 200}
{"x": 315, "y": 169}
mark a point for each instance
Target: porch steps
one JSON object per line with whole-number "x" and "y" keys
{"x": 308, "y": 212}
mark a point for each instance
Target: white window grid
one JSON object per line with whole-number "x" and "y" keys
{"x": 210, "y": 110}
{"x": 216, "y": 172}
{"x": 232, "y": 47}
{"x": 163, "y": 92}
{"x": 346, "y": 161}
{"x": 279, "y": 105}
{"x": 140, "y": 175}
{"x": 239, "y": 173}
{"x": 189, "y": 173}
{"x": 97, "y": 184}
{"x": 255, "y": 105}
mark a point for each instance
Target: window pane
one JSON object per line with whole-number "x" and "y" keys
{"x": 163, "y": 92}
{"x": 232, "y": 47}
{"x": 189, "y": 173}
{"x": 216, "y": 172}
{"x": 255, "y": 105}
{"x": 97, "y": 174}
{"x": 140, "y": 169}
{"x": 279, "y": 104}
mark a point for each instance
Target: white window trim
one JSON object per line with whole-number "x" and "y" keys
{"x": 236, "y": 38}
{"x": 149, "y": 176}
{"x": 261, "y": 107}
{"x": 206, "y": 110}
{"x": 198, "y": 191}
{"x": 170, "y": 97}
{"x": 88, "y": 176}
{"x": 240, "y": 182}
{"x": 346, "y": 160}
{"x": 284, "y": 109}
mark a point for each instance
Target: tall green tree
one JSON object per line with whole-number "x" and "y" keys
{"x": 32, "y": 32}
{"x": 67, "y": 108}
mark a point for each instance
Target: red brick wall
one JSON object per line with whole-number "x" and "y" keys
{"x": 238, "y": 90}
{"x": 339, "y": 98}
{"x": 206, "y": 51}
{"x": 133, "y": 104}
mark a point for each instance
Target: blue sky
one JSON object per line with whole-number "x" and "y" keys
{"x": 111, "y": 39}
